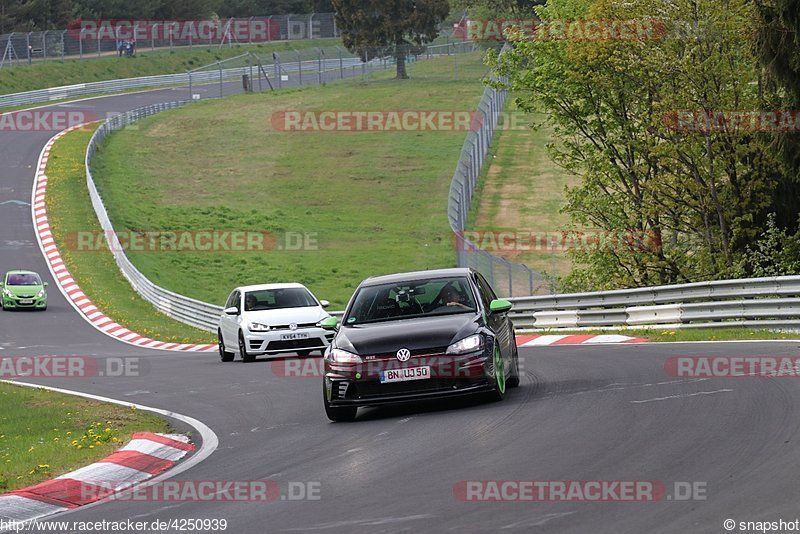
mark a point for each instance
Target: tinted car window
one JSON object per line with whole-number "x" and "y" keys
{"x": 273, "y": 299}
{"x": 233, "y": 300}
{"x": 418, "y": 298}
{"x": 486, "y": 291}
{"x": 23, "y": 280}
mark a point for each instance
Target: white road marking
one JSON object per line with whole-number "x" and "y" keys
{"x": 682, "y": 396}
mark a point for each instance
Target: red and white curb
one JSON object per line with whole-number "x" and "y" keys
{"x": 534, "y": 340}
{"x": 145, "y": 456}
{"x": 64, "y": 279}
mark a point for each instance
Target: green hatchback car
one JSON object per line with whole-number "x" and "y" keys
{"x": 23, "y": 290}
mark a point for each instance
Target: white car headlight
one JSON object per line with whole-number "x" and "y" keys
{"x": 468, "y": 344}
{"x": 258, "y": 327}
{"x": 342, "y": 356}
{"x": 7, "y": 292}
{"x": 40, "y": 294}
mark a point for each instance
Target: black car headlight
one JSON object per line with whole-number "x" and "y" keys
{"x": 468, "y": 344}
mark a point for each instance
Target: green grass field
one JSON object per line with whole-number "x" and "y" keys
{"x": 45, "y": 434}
{"x": 524, "y": 191}
{"x": 70, "y": 211}
{"x": 369, "y": 202}
{"x": 41, "y": 75}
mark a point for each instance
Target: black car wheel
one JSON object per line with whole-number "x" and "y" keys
{"x": 246, "y": 357}
{"x": 224, "y": 355}
{"x": 338, "y": 414}
{"x": 499, "y": 366}
{"x": 513, "y": 380}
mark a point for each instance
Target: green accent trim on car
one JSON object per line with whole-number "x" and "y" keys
{"x": 500, "y": 306}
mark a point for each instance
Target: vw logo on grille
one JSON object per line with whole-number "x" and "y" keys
{"x": 292, "y": 326}
{"x": 403, "y": 355}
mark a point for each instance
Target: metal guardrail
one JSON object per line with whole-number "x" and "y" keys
{"x": 763, "y": 302}
{"x": 188, "y": 310}
{"x": 113, "y": 86}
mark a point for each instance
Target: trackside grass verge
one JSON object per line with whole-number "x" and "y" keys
{"x": 44, "y": 74}
{"x": 341, "y": 205}
{"x": 70, "y": 211}
{"x": 523, "y": 191}
{"x": 44, "y": 434}
{"x": 686, "y": 334}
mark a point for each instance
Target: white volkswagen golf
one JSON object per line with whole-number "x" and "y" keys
{"x": 271, "y": 319}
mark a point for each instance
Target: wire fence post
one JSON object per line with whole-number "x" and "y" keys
{"x": 341, "y": 63}
{"x": 320, "y": 55}
{"x": 44, "y": 46}
{"x": 220, "y": 78}
{"x": 62, "y": 44}
{"x": 299, "y": 68}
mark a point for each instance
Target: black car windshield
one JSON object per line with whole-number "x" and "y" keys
{"x": 419, "y": 298}
{"x": 23, "y": 279}
{"x": 274, "y": 299}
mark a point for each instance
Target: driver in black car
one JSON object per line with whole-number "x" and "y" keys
{"x": 451, "y": 297}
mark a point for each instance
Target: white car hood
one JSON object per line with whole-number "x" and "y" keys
{"x": 310, "y": 314}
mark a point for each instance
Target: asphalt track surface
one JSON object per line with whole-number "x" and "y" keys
{"x": 581, "y": 413}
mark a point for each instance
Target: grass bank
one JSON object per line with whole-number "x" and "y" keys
{"x": 45, "y": 74}
{"x": 70, "y": 212}
{"x": 46, "y": 434}
{"x": 360, "y": 203}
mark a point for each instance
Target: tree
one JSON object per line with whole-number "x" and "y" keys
{"x": 779, "y": 47}
{"x": 683, "y": 202}
{"x": 392, "y": 25}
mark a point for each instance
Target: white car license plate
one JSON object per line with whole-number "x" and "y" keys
{"x": 296, "y": 335}
{"x": 408, "y": 373}
{"x": 26, "y": 301}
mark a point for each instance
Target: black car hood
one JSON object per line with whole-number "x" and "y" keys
{"x": 413, "y": 334}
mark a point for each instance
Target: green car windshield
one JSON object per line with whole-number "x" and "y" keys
{"x": 23, "y": 279}
{"x": 420, "y": 298}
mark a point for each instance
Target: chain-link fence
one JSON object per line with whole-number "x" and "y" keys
{"x": 96, "y": 38}
{"x": 508, "y": 278}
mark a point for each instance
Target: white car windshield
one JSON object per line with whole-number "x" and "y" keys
{"x": 273, "y": 299}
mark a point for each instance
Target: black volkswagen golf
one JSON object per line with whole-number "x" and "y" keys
{"x": 419, "y": 335}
